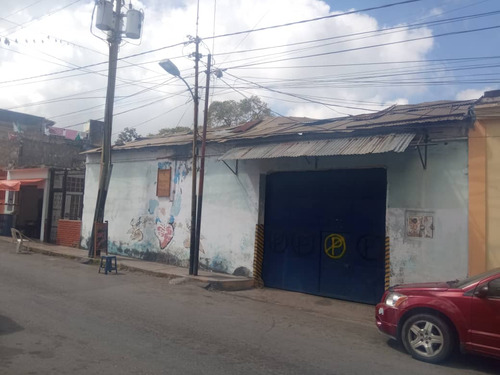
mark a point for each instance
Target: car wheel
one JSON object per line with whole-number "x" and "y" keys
{"x": 427, "y": 338}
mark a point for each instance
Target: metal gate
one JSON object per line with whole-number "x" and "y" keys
{"x": 324, "y": 233}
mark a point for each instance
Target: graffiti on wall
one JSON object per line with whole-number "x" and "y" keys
{"x": 335, "y": 246}
{"x": 135, "y": 230}
{"x": 161, "y": 215}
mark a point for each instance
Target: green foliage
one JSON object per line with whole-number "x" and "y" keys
{"x": 126, "y": 135}
{"x": 232, "y": 113}
{"x": 178, "y": 129}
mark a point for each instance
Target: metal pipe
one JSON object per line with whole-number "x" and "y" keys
{"x": 202, "y": 171}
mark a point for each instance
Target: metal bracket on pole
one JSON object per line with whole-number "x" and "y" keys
{"x": 423, "y": 158}
{"x": 235, "y": 172}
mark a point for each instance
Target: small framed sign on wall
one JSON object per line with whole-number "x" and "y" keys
{"x": 419, "y": 224}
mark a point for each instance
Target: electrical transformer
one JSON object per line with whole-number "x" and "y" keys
{"x": 133, "y": 28}
{"x": 104, "y": 16}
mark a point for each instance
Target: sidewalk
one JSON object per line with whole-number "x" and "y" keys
{"x": 218, "y": 281}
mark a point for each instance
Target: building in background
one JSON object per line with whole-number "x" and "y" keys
{"x": 345, "y": 206}
{"x": 41, "y": 176}
{"x": 484, "y": 182}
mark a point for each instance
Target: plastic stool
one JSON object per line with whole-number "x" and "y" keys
{"x": 107, "y": 264}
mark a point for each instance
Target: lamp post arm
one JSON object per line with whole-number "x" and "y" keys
{"x": 187, "y": 85}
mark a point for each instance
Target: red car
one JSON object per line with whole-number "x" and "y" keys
{"x": 432, "y": 319}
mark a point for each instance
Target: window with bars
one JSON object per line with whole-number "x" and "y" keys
{"x": 75, "y": 184}
{"x": 75, "y": 207}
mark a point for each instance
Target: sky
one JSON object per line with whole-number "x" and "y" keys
{"x": 350, "y": 57}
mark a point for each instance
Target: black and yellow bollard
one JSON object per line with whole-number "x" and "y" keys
{"x": 258, "y": 258}
{"x": 387, "y": 263}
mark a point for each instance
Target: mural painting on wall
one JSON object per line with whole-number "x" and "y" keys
{"x": 187, "y": 242}
{"x": 158, "y": 217}
{"x": 419, "y": 224}
{"x": 135, "y": 230}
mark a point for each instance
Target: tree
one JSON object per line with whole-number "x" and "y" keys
{"x": 126, "y": 135}
{"x": 177, "y": 129}
{"x": 231, "y": 113}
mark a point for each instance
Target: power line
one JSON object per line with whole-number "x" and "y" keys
{"x": 293, "y": 82}
{"x": 72, "y": 96}
{"x": 379, "y": 32}
{"x": 158, "y": 116}
{"x": 223, "y": 35}
{"x": 299, "y": 97}
{"x": 85, "y": 66}
{"x": 161, "y": 48}
{"x": 369, "y": 47}
{"x": 22, "y": 26}
{"x": 315, "y": 19}
{"x": 21, "y": 9}
{"x": 450, "y": 60}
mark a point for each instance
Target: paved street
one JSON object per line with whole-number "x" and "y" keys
{"x": 58, "y": 316}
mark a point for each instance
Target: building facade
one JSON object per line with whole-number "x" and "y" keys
{"x": 41, "y": 176}
{"x": 484, "y": 181}
{"x": 344, "y": 206}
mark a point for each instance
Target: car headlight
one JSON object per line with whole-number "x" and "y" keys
{"x": 394, "y": 299}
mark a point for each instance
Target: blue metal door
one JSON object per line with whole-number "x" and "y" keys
{"x": 324, "y": 233}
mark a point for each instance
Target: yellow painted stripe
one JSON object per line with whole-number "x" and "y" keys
{"x": 387, "y": 263}
{"x": 258, "y": 259}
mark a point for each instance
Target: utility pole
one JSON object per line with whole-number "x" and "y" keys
{"x": 111, "y": 22}
{"x": 114, "y": 39}
{"x": 202, "y": 168}
{"x": 193, "y": 263}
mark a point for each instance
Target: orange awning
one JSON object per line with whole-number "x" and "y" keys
{"x": 15, "y": 185}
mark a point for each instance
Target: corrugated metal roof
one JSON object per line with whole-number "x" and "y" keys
{"x": 340, "y": 146}
{"x": 406, "y": 118}
{"x": 397, "y": 116}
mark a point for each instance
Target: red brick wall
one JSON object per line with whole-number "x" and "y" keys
{"x": 68, "y": 233}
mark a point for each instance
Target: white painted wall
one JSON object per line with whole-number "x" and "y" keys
{"x": 140, "y": 222}
{"x": 137, "y": 218}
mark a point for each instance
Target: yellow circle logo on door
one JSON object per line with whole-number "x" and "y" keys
{"x": 335, "y": 246}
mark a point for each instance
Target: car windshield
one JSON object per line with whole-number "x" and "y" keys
{"x": 471, "y": 280}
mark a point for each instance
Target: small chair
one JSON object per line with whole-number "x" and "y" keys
{"x": 107, "y": 264}
{"x": 20, "y": 239}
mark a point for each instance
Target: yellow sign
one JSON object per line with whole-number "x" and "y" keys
{"x": 335, "y": 246}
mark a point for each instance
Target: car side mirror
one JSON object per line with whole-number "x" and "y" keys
{"x": 482, "y": 291}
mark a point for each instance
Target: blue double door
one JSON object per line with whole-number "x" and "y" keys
{"x": 325, "y": 233}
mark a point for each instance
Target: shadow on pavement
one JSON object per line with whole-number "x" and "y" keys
{"x": 8, "y": 326}
{"x": 458, "y": 360}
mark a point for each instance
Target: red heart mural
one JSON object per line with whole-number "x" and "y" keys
{"x": 165, "y": 233}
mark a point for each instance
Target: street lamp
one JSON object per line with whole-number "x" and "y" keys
{"x": 170, "y": 68}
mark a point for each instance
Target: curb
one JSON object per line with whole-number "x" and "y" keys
{"x": 230, "y": 285}
{"x": 218, "y": 285}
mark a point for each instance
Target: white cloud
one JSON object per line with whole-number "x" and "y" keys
{"x": 328, "y": 77}
{"x": 435, "y": 12}
{"x": 472, "y": 93}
